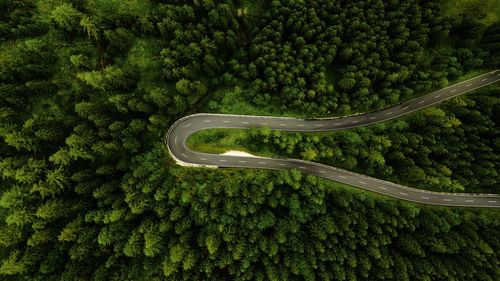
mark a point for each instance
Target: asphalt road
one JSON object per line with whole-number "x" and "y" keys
{"x": 176, "y": 136}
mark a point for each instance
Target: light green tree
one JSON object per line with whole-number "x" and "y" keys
{"x": 66, "y": 16}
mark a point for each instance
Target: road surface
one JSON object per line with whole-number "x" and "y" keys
{"x": 178, "y": 133}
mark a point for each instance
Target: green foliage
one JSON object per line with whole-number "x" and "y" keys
{"x": 111, "y": 77}
{"x": 66, "y": 16}
{"x": 87, "y": 191}
{"x": 491, "y": 42}
{"x": 450, "y": 148}
{"x": 89, "y": 27}
{"x": 377, "y": 55}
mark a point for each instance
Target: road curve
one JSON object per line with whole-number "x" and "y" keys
{"x": 178, "y": 133}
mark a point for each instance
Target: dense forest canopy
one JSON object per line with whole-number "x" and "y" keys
{"x": 343, "y": 56}
{"x": 88, "y": 88}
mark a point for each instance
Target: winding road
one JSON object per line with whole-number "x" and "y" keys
{"x": 178, "y": 133}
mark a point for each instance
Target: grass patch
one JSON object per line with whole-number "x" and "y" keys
{"x": 486, "y": 11}
{"x": 235, "y": 101}
{"x": 470, "y": 74}
{"x": 222, "y": 140}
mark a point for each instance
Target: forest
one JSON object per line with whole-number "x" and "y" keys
{"x": 88, "y": 89}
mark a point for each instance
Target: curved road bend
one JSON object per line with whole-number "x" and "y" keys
{"x": 182, "y": 128}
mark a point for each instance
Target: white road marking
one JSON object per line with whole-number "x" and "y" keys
{"x": 381, "y": 187}
{"x": 226, "y": 121}
{"x": 454, "y": 90}
{"x": 388, "y": 113}
{"x": 302, "y": 167}
{"x": 175, "y": 140}
{"x": 282, "y": 124}
{"x": 263, "y": 163}
{"x": 447, "y": 200}
{"x": 245, "y": 122}
{"x": 222, "y": 160}
{"x": 362, "y": 182}
{"x": 468, "y": 85}
{"x": 241, "y": 161}
{"x": 355, "y": 121}
{"x": 422, "y": 101}
{"x": 423, "y": 197}
{"x": 319, "y": 125}
{"x": 187, "y": 125}
{"x": 323, "y": 172}
{"x": 402, "y": 193}
{"x": 342, "y": 177}
{"x": 184, "y": 155}
{"x": 492, "y": 201}
{"x": 469, "y": 200}
{"x": 207, "y": 121}
{"x": 281, "y": 164}
{"x": 371, "y": 118}
{"x": 203, "y": 159}
{"x": 406, "y": 107}
{"x": 300, "y": 125}
{"x": 337, "y": 123}
{"x": 484, "y": 79}
{"x": 437, "y": 96}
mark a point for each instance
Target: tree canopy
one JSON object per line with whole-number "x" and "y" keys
{"x": 88, "y": 191}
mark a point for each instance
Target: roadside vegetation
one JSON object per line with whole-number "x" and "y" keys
{"x": 438, "y": 148}
{"x": 88, "y": 89}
